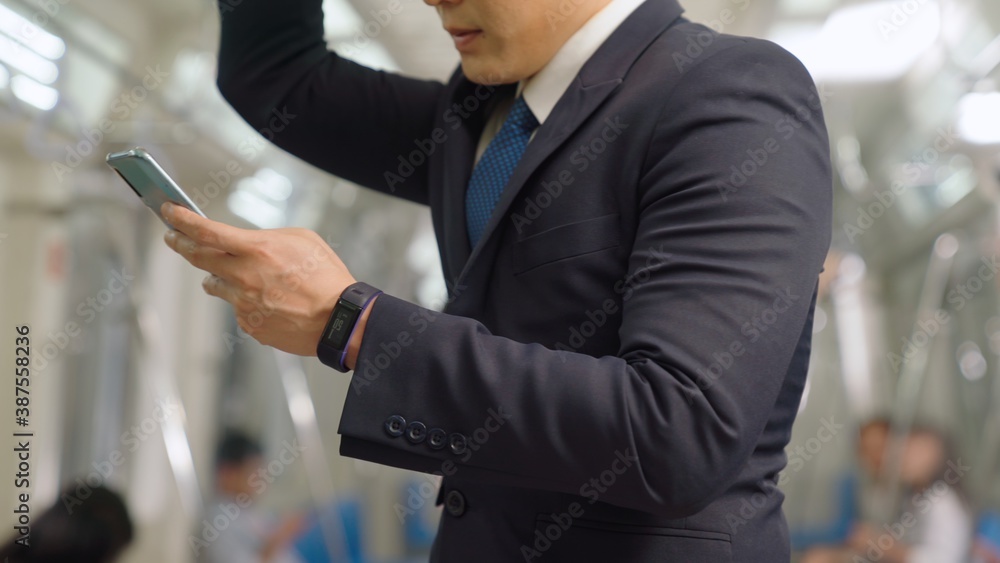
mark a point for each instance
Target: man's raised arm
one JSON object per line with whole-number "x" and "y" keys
{"x": 352, "y": 121}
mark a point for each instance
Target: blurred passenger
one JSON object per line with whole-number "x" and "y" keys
{"x": 859, "y": 494}
{"x": 873, "y": 493}
{"x": 94, "y": 530}
{"x": 235, "y": 529}
{"x": 934, "y": 524}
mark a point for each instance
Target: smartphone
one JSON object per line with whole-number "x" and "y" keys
{"x": 148, "y": 180}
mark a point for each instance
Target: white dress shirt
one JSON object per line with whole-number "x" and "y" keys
{"x": 542, "y": 91}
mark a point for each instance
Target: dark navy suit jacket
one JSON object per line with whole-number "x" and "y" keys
{"x": 617, "y": 370}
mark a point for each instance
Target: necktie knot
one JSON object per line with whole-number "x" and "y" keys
{"x": 520, "y": 116}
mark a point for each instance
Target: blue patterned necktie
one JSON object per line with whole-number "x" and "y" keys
{"x": 496, "y": 166}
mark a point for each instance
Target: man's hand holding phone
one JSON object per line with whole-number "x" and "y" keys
{"x": 283, "y": 283}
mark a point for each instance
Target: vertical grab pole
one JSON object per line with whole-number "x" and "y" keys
{"x": 303, "y": 413}
{"x": 912, "y": 375}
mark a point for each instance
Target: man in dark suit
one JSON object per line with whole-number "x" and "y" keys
{"x": 632, "y": 212}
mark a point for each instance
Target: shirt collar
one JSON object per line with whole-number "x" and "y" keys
{"x": 543, "y": 90}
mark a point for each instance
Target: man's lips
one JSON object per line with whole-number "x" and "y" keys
{"x": 464, "y": 37}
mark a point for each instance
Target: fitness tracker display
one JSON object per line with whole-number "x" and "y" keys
{"x": 332, "y": 348}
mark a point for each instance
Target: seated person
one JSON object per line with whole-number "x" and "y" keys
{"x": 856, "y": 492}
{"x": 933, "y": 524}
{"x": 246, "y": 533}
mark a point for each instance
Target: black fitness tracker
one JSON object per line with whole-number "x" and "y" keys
{"x": 332, "y": 348}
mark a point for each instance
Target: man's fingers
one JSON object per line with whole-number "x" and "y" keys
{"x": 211, "y": 260}
{"x": 218, "y": 287}
{"x": 208, "y": 232}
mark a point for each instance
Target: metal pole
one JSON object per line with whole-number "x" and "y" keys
{"x": 303, "y": 413}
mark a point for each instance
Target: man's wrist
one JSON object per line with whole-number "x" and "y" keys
{"x": 354, "y": 344}
{"x": 345, "y": 321}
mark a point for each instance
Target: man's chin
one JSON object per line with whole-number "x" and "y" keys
{"x": 488, "y": 72}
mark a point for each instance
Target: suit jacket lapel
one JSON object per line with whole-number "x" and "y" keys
{"x": 598, "y": 78}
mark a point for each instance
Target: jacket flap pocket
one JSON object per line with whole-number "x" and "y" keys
{"x": 566, "y": 241}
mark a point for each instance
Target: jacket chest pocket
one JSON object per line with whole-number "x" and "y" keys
{"x": 566, "y": 241}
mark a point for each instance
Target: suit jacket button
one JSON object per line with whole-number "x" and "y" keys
{"x": 394, "y": 425}
{"x": 437, "y": 438}
{"x": 416, "y": 432}
{"x": 454, "y": 503}
{"x": 457, "y": 443}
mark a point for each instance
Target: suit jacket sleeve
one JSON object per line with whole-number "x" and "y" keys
{"x": 273, "y": 62}
{"x": 740, "y": 261}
